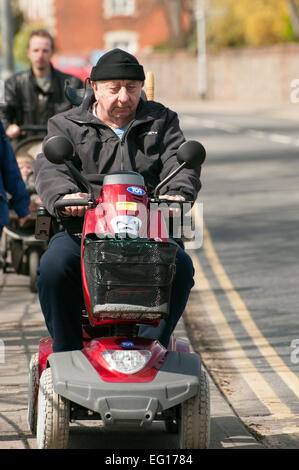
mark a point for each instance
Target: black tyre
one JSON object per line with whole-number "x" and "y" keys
{"x": 33, "y": 261}
{"x": 32, "y": 394}
{"x": 194, "y": 422}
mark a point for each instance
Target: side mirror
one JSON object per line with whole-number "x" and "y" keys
{"x": 192, "y": 153}
{"x": 58, "y": 149}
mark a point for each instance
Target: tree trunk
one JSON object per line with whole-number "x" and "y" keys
{"x": 294, "y": 16}
{"x": 177, "y": 36}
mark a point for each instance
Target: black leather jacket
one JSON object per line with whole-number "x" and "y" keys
{"x": 21, "y": 98}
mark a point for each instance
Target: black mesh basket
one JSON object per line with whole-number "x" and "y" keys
{"x": 129, "y": 279}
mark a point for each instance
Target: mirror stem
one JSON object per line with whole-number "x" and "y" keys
{"x": 169, "y": 177}
{"x": 78, "y": 176}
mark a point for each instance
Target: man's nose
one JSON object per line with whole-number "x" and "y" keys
{"x": 123, "y": 95}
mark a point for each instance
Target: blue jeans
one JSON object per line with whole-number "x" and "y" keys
{"x": 61, "y": 296}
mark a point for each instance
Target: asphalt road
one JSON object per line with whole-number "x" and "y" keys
{"x": 247, "y": 268}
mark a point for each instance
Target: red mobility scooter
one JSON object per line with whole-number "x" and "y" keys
{"x": 127, "y": 265}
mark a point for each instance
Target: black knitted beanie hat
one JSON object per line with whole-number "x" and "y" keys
{"x": 117, "y": 65}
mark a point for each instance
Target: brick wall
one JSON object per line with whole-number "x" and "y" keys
{"x": 81, "y": 26}
{"x": 263, "y": 74}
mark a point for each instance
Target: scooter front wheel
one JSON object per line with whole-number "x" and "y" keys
{"x": 194, "y": 422}
{"x": 53, "y": 415}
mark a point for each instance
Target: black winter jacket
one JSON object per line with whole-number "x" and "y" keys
{"x": 21, "y": 98}
{"x": 148, "y": 146}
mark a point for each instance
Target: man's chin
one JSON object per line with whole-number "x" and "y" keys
{"x": 123, "y": 114}
{"x": 41, "y": 67}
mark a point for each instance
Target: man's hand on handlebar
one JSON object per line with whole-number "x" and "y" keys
{"x": 79, "y": 211}
{"x": 173, "y": 212}
{"x": 75, "y": 211}
{"x": 13, "y": 131}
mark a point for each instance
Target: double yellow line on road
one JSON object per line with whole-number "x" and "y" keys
{"x": 232, "y": 346}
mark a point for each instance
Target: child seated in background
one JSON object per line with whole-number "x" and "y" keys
{"x": 24, "y": 162}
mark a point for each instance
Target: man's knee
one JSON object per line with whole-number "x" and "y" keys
{"x": 184, "y": 269}
{"x": 59, "y": 263}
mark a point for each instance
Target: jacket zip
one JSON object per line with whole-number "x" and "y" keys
{"x": 122, "y": 144}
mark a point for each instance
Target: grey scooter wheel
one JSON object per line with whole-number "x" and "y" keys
{"x": 34, "y": 259}
{"x": 53, "y": 415}
{"x": 32, "y": 393}
{"x": 194, "y": 423}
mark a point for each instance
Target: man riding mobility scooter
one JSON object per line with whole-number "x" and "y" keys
{"x": 127, "y": 266}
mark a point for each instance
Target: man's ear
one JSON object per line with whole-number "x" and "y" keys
{"x": 96, "y": 89}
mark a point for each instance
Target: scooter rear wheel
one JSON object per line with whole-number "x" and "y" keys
{"x": 32, "y": 393}
{"x": 53, "y": 415}
{"x": 34, "y": 259}
{"x": 194, "y": 423}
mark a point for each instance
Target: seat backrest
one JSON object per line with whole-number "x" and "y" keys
{"x": 149, "y": 85}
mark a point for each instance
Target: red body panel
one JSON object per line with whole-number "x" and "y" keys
{"x": 94, "y": 347}
{"x": 45, "y": 349}
{"x": 93, "y": 351}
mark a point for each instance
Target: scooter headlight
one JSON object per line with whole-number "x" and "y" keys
{"x": 127, "y": 362}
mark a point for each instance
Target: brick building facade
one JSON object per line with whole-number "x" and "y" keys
{"x": 80, "y": 26}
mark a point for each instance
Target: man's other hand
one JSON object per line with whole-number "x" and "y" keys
{"x": 75, "y": 211}
{"x": 13, "y": 131}
{"x": 175, "y": 211}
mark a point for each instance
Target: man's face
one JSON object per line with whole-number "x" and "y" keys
{"x": 39, "y": 52}
{"x": 117, "y": 100}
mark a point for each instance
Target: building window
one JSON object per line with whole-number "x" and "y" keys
{"x": 119, "y": 8}
{"x": 39, "y": 11}
{"x": 126, "y": 40}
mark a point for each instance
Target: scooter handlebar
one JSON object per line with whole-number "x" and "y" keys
{"x": 34, "y": 128}
{"x": 171, "y": 201}
{"x": 62, "y": 203}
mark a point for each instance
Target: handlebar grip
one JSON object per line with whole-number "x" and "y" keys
{"x": 33, "y": 127}
{"x": 61, "y": 204}
{"x": 171, "y": 201}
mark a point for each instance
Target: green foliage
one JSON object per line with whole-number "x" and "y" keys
{"x": 165, "y": 47}
{"x": 248, "y": 23}
{"x": 287, "y": 33}
{"x": 18, "y": 17}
